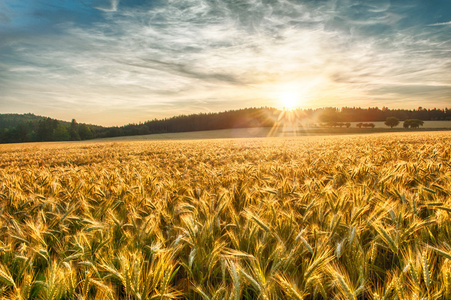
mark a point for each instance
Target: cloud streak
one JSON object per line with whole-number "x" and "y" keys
{"x": 185, "y": 56}
{"x": 112, "y": 6}
{"x": 441, "y": 24}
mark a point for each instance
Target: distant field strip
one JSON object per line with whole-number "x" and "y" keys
{"x": 344, "y": 217}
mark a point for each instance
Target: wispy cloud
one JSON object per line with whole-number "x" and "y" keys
{"x": 188, "y": 55}
{"x": 441, "y": 24}
{"x": 108, "y": 7}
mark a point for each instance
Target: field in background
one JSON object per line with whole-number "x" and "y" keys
{"x": 282, "y": 131}
{"x": 352, "y": 217}
{"x": 259, "y": 132}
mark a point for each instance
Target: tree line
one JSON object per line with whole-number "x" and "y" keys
{"x": 375, "y": 114}
{"x": 242, "y": 118}
{"x": 267, "y": 117}
{"x": 45, "y": 130}
{"x": 30, "y": 128}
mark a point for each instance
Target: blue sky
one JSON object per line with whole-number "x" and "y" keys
{"x": 113, "y": 62}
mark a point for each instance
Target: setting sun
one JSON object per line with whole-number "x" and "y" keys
{"x": 289, "y": 100}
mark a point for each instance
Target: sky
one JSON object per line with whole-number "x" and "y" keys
{"x": 113, "y": 62}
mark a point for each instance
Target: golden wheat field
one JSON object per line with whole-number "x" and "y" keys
{"x": 345, "y": 217}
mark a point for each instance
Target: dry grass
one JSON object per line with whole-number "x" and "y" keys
{"x": 357, "y": 217}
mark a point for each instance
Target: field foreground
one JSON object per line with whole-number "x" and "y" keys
{"x": 347, "y": 217}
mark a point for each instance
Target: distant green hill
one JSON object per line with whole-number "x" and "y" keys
{"x": 17, "y": 128}
{"x": 12, "y": 120}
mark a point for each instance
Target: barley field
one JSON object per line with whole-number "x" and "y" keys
{"x": 344, "y": 217}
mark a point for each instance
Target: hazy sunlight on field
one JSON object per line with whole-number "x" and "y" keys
{"x": 352, "y": 217}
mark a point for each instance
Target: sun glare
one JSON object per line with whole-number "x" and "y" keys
{"x": 289, "y": 100}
